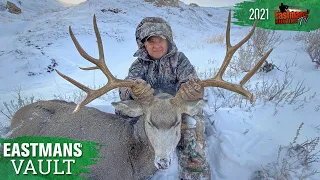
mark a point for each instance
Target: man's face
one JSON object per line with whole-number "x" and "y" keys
{"x": 156, "y": 47}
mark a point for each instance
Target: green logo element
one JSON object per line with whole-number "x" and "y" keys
{"x": 33, "y": 158}
{"x": 293, "y": 15}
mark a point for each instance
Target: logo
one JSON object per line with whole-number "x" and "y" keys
{"x": 291, "y": 15}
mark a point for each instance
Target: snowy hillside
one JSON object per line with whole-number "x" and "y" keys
{"x": 243, "y": 139}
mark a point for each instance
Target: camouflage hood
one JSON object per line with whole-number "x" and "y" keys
{"x": 150, "y": 26}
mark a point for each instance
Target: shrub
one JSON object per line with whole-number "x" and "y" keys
{"x": 250, "y": 53}
{"x": 312, "y": 44}
{"x": 14, "y": 105}
{"x": 76, "y": 97}
{"x": 263, "y": 40}
{"x": 216, "y": 39}
{"x": 279, "y": 91}
{"x": 294, "y": 161}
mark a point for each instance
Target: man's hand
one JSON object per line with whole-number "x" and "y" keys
{"x": 142, "y": 91}
{"x": 191, "y": 90}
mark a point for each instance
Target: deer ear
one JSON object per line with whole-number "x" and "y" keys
{"x": 194, "y": 107}
{"x": 130, "y": 108}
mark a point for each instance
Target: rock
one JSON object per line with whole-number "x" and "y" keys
{"x": 194, "y": 5}
{"x": 13, "y": 8}
{"x": 161, "y": 3}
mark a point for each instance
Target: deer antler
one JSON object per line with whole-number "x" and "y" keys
{"x": 100, "y": 64}
{"x": 217, "y": 81}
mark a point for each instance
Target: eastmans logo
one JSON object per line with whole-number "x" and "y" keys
{"x": 31, "y": 157}
{"x": 42, "y": 150}
{"x": 291, "y": 15}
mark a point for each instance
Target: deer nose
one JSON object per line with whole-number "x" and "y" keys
{"x": 162, "y": 163}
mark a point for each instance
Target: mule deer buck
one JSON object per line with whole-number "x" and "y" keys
{"x": 133, "y": 151}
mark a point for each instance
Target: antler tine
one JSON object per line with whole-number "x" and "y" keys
{"x": 91, "y": 94}
{"x": 217, "y": 81}
{"x": 99, "y": 41}
{"x": 76, "y": 83}
{"x": 232, "y": 49}
{"x": 100, "y": 64}
{"x": 89, "y": 68}
{"x": 255, "y": 68}
{"x": 80, "y": 49}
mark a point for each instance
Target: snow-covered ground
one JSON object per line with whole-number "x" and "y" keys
{"x": 245, "y": 138}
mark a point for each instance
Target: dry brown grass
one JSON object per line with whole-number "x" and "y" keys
{"x": 216, "y": 39}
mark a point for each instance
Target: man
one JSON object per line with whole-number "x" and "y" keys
{"x": 283, "y": 8}
{"x": 161, "y": 68}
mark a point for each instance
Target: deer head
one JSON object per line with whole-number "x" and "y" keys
{"x": 161, "y": 117}
{"x": 161, "y": 123}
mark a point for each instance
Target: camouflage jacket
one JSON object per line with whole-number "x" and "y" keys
{"x": 165, "y": 75}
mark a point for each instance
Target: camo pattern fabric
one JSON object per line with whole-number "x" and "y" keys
{"x": 165, "y": 75}
{"x": 191, "y": 152}
{"x": 151, "y": 26}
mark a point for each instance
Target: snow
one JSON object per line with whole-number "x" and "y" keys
{"x": 245, "y": 138}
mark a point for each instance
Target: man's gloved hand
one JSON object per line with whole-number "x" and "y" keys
{"x": 191, "y": 90}
{"x": 142, "y": 91}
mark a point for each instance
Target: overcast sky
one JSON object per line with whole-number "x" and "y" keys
{"x": 206, "y": 3}
{"x": 213, "y": 3}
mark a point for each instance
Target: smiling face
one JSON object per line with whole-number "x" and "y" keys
{"x": 156, "y": 46}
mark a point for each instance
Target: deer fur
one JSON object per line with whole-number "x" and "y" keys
{"x": 132, "y": 150}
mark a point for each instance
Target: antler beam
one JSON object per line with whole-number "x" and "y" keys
{"x": 100, "y": 64}
{"x": 217, "y": 81}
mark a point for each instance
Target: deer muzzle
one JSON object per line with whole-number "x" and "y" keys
{"x": 162, "y": 163}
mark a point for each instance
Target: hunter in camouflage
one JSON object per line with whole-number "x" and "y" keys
{"x": 167, "y": 73}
